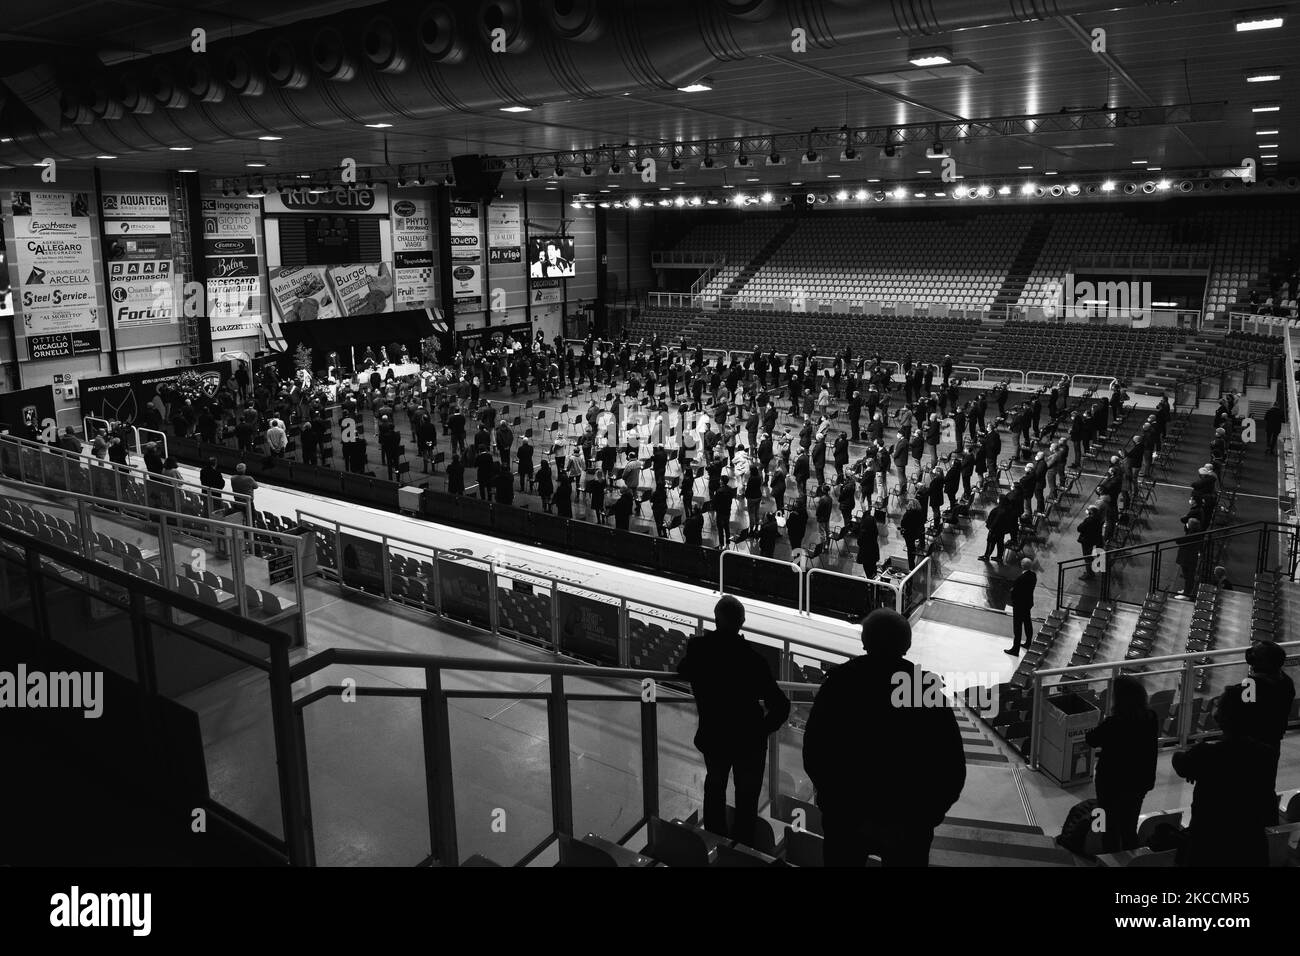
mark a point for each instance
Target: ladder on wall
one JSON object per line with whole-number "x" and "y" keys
{"x": 183, "y": 268}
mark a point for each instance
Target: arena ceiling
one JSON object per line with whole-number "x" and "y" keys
{"x": 117, "y": 78}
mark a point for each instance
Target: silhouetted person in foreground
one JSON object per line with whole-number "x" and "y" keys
{"x": 883, "y": 750}
{"x": 1268, "y": 699}
{"x": 1233, "y": 800}
{"x": 740, "y": 705}
{"x": 1126, "y": 769}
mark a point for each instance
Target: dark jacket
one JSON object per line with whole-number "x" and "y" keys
{"x": 1022, "y": 591}
{"x": 1129, "y": 743}
{"x": 737, "y": 697}
{"x": 880, "y": 762}
{"x": 868, "y": 540}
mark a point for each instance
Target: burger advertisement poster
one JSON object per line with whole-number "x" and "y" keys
{"x": 306, "y": 293}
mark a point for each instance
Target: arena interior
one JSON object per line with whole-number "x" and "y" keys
{"x": 392, "y": 393}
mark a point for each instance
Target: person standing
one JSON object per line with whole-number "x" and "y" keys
{"x": 887, "y": 766}
{"x": 740, "y": 706}
{"x": 1126, "y": 769}
{"x": 912, "y": 527}
{"x": 1091, "y": 535}
{"x": 1189, "y": 558}
{"x": 1272, "y": 427}
{"x": 868, "y": 542}
{"x": 242, "y": 483}
{"x": 1268, "y": 709}
{"x": 1233, "y": 799}
{"x": 1022, "y": 606}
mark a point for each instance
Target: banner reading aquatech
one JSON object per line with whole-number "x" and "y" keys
{"x": 136, "y": 205}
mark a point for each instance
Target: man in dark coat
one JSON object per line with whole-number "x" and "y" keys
{"x": 868, "y": 543}
{"x": 740, "y": 706}
{"x": 1091, "y": 536}
{"x": 884, "y": 752}
{"x": 1022, "y": 606}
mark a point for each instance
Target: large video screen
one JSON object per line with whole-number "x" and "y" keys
{"x": 551, "y": 257}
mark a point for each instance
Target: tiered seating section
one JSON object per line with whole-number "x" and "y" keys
{"x": 961, "y": 263}
{"x": 1087, "y": 348}
{"x": 736, "y": 241}
{"x": 928, "y": 339}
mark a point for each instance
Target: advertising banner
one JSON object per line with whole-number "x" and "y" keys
{"x": 362, "y": 565}
{"x": 48, "y": 203}
{"x": 233, "y": 297}
{"x": 412, "y": 225}
{"x": 302, "y": 293}
{"x": 588, "y": 626}
{"x": 136, "y": 205}
{"x": 27, "y": 407}
{"x": 230, "y": 218}
{"x": 233, "y": 246}
{"x": 504, "y": 234}
{"x": 123, "y": 397}
{"x": 413, "y": 275}
{"x": 493, "y": 335}
{"x": 142, "y": 293}
{"x": 229, "y": 267}
{"x": 139, "y": 247}
{"x": 63, "y": 345}
{"x": 137, "y": 227}
{"x": 359, "y": 200}
{"x": 41, "y": 321}
{"x": 363, "y": 288}
{"x": 467, "y": 280}
{"x": 464, "y": 592}
{"x": 545, "y": 292}
{"x": 463, "y": 232}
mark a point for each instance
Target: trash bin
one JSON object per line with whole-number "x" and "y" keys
{"x": 1062, "y": 752}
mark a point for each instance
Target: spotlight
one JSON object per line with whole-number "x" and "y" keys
{"x": 586, "y": 169}
{"x": 1004, "y": 190}
{"x": 810, "y": 198}
{"x": 559, "y": 171}
{"x": 1148, "y": 187}
{"x": 984, "y": 192}
{"x": 1108, "y": 186}
{"x": 860, "y": 195}
{"x": 849, "y": 154}
{"x": 695, "y": 200}
{"x": 774, "y": 159}
{"x": 842, "y": 195}
{"x": 634, "y": 203}
{"x": 708, "y": 163}
{"x": 1072, "y": 189}
{"x": 739, "y": 199}
{"x": 1163, "y": 184}
{"x": 1130, "y": 188}
{"x": 899, "y": 193}
{"x": 890, "y": 150}
{"x": 615, "y": 169}
{"x": 520, "y": 175}
{"x": 936, "y": 151}
{"x": 676, "y": 163}
{"x": 878, "y": 195}
{"x": 1027, "y": 189}
{"x": 742, "y": 160}
{"x": 576, "y": 204}
{"x": 810, "y": 156}
{"x": 766, "y": 198}
{"x": 535, "y": 173}
{"x": 679, "y": 202}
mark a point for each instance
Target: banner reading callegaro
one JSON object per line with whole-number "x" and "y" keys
{"x": 56, "y": 282}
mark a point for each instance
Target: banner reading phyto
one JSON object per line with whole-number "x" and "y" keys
{"x": 302, "y": 293}
{"x": 412, "y": 225}
{"x": 504, "y": 235}
{"x": 363, "y": 288}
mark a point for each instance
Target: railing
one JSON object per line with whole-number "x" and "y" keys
{"x": 1127, "y": 575}
{"x": 674, "y": 257}
{"x": 1260, "y": 324}
{"x": 1236, "y": 378}
{"x": 1168, "y": 261}
{"x": 168, "y": 645}
{"x": 1290, "y": 440}
{"x": 55, "y": 467}
{"x": 92, "y": 526}
{"x": 1177, "y": 685}
{"x": 906, "y": 591}
{"x": 561, "y": 615}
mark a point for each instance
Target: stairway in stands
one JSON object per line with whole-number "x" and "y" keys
{"x": 1022, "y": 266}
{"x": 760, "y": 258}
{"x": 1180, "y": 363}
{"x": 979, "y": 351}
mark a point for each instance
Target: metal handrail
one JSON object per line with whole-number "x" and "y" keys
{"x": 128, "y": 471}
